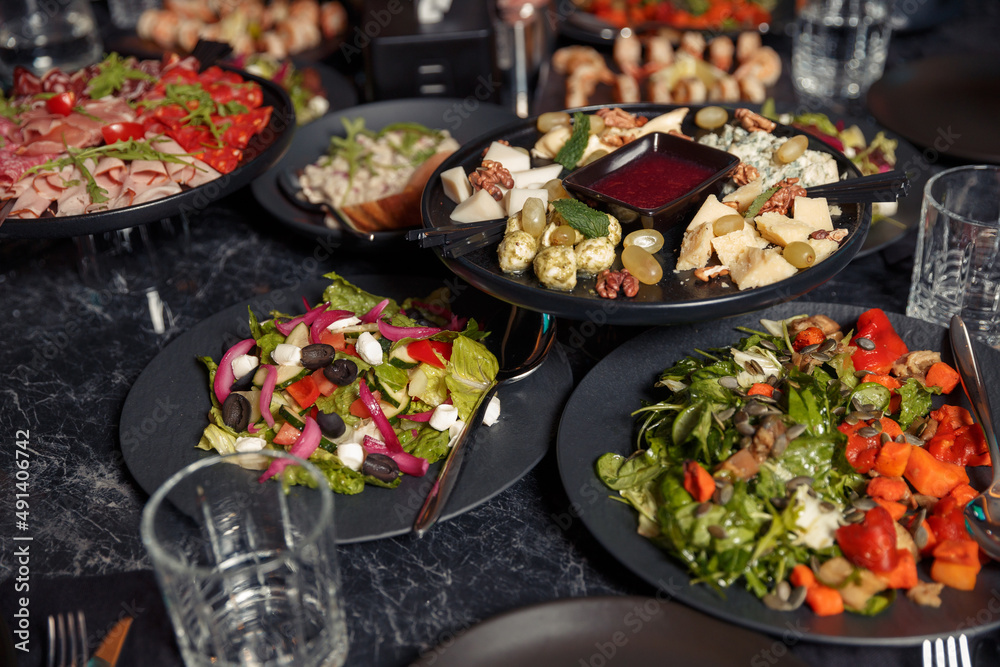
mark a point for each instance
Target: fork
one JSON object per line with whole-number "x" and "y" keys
{"x": 67, "y": 640}
{"x": 945, "y": 653}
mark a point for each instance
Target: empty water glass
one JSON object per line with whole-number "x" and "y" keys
{"x": 248, "y": 569}
{"x": 42, "y": 34}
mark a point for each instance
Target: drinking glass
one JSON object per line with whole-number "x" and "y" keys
{"x": 956, "y": 268}
{"x": 125, "y": 13}
{"x": 839, "y": 49}
{"x": 248, "y": 570}
{"x": 42, "y": 34}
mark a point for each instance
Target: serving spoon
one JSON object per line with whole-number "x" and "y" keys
{"x": 982, "y": 514}
{"x": 522, "y": 351}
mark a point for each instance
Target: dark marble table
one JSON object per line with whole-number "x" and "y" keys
{"x": 74, "y": 338}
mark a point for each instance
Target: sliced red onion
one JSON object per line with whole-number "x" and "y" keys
{"x": 266, "y": 392}
{"x": 323, "y": 320}
{"x": 224, "y": 377}
{"x": 285, "y": 328}
{"x": 457, "y": 323}
{"x": 384, "y": 427}
{"x": 374, "y": 313}
{"x": 419, "y": 416}
{"x": 303, "y": 447}
{"x": 395, "y": 333}
{"x": 252, "y": 428}
{"x": 408, "y": 463}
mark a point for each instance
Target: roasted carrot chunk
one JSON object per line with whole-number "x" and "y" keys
{"x": 698, "y": 482}
{"x": 888, "y": 488}
{"x": 803, "y": 576}
{"x": 904, "y": 575}
{"x": 942, "y": 375}
{"x": 824, "y": 601}
{"x": 955, "y": 575}
{"x": 891, "y": 459}
{"x": 896, "y": 510}
{"x": 932, "y": 477}
{"x": 807, "y": 337}
{"x": 760, "y": 389}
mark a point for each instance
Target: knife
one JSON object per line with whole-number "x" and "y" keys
{"x": 107, "y": 653}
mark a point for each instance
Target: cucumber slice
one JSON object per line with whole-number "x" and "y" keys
{"x": 295, "y": 420}
{"x": 286, "y": 375}
{"x": 299, "y": 335}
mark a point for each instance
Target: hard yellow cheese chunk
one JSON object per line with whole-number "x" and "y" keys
{"x": 745, "y": 194}
{"x": 696, "y": 247}
{"x": 756, "y": 267}
{"x": 729, "y": 246}
{"x": 781, "y": 229}
{"x": 710, "y": 211}
{"x": 814, "y": 212}
{"x": 824, "y": 248}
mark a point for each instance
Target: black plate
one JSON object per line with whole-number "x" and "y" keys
{"x": 465, "y": 119}
{"x": 597, "y": 420}
{"x": 164, "y": 413}
{"x": 678, "y": 298}
{"x": 264, "y": 150}
{"x": 946, "y": 103}
{"x": 634, "y": 631}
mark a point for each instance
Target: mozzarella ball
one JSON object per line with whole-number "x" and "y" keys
{"x": 614, "y": 230}
{"x": 516, "y": 251}
{"x": 514, "y": 224}
{"x": 594, "y": 255}
{"x": 555, "y": 267}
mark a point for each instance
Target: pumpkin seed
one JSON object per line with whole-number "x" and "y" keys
{"x": 717, "y": 531}
{"x": 867, "y": 432}
{"x": 702, "y": 509}
{"x": 862, "y": 373}
{"x": 885, "y": 437}
{"x": 864, "y": 504}
{"x": 725, "y": 414}
{"x": 797, "y": 597}
{"x": 852, "y": 418}
{"x": 745, "y": 428}
{"x": 723, "y": 494}
{"x": 779, "y": 447}
{"x": 809, "y": 349}
{"x": 912, "y": 439}
{"x": 828, "y": 345}
{"x": 768, "y": 345}
{"x": 920, "y": 537}
{"x": 822, "y": 357}
{"x": 779, "y": 503}
{"x": 865, "y": 343}
{"x": 827, "y": 506}
{"x": 854, "y": 516}
{"x": 796, "y": 482}
{"x": 795, "y": 430}
{"x": 755, "y": 409}
{"x": 839, "y": 410}
{"x": 783, "y": 590}
{"x": 729, "y": 382}
{"x": 877, "y": 425}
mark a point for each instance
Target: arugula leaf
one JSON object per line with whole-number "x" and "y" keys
{"x": 579, "y": 216}
{"x": 112, "y": 73}
{"x": 572, "y": 151}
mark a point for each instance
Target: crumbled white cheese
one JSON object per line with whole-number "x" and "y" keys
{"x": 287, "y": 355}
{"x": 368, "y": 349}
{"x": 492, "y": 412}
{"x": 351, "y": 454}
{"x": 243, "y": 364}
{"x": 818, "y": 526}
{"x": 444, "y": 416}
{"x": 250, "y": 444}
{"x": 455, "y": 429}
{"x": 343, "y": 323}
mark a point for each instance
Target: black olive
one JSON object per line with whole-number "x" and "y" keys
{"x": 341, "y": 372}
{"x": 245, "y": 383}
{"x": 317, "y": 355}
{"x": 380, "y": 467}
{"x": 236, "y": 412}
{"x": 331, "y": 424}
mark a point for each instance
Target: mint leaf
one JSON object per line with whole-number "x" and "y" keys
{"x": 582, "y": 218}
{"x": 571, "y": 152}
{"x": 759, "y": 202}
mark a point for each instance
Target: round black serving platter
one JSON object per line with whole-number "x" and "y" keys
{"x": 264, "y": 149}
{"x": 678, "y": 297}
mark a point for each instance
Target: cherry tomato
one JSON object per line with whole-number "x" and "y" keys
{"x": 122, "y": 132}
{"x": 61, "y": 103}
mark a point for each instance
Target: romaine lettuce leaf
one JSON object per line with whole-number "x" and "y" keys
{"x": 343, "y": 295}
{"x": 471, "y": 371}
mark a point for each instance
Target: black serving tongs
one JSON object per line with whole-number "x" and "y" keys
{"x": 461, "y": 239}
{"x": 867, "y": 189}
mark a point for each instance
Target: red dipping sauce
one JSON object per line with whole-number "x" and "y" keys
{"x": 653, "y": 180}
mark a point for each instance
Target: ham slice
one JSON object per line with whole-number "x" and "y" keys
{"x": 158, "y": 192}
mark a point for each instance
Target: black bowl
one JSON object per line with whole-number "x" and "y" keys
{"x": 720, "y": 164}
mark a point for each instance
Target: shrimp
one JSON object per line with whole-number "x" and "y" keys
{"x": 752, "y": 89}
{"x": 720, "y": 52}
{"x": 628, "y": 53}
{"x": 724, "y": 89}
{"x": 580, "y": 85}
{"x": 659, "y": 52}
{"x": 627, "y": 89}
{"x": 746, "y": 45}
{"x": 693, "y": 43}
{"x": 690, "y": 90}
{"x": 160, "y": 26}
{"x": 658, "y": 90}
{"x": 764, "y": 64}
{"x": 568, "y": 58}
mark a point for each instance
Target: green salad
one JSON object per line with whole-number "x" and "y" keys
{"x": 366, "y": 388}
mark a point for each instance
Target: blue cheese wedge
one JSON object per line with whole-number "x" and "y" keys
{"x": 756, "y": 267}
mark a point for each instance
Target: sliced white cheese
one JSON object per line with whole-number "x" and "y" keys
{"x": 531, "y": 178}
{"x": 492, "y": 413}
{"x": 814, "y": 211}
{"x": 456, "y": 184}
{"x": 343, "y": 323}
{"x": 369, "y": 349}
{"x": 443, "y": 417}
{"x": 243, "y": 364}
{"x": 514, "y": 199}
{"x": 480, "y": 206}
{"x": 711, "y": 210}
{"x": 781, "y": 229}
{"x": 696, "y": 247}
{"x": 287, "y": 355}
{"x": 756, "y": 267}
{"x": 511, "y": 158}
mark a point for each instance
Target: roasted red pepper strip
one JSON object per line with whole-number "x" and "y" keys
{"x": 870, "y": 544}
{"x": 875, "y": 326}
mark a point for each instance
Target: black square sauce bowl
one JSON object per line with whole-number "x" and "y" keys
{"x": 655, "y": 180}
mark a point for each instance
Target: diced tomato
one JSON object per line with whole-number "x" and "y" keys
{"x": 122, "y": 132}
{"x": 323, "y": 384}
{"x": 287, "y": 435}
{"x": 870, "y": 544}
{"x": 335, "y": 340}
{"x": 305, "y": 392}
{"x": 61, "y": 103}
{"x": 434, "y": 352}
{"x": 359, "y": 409}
